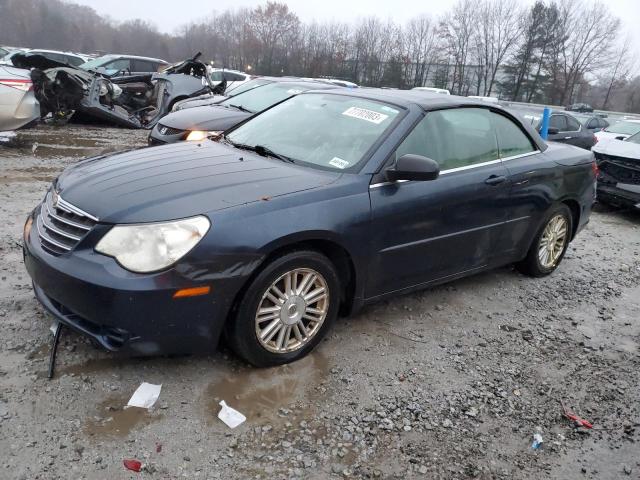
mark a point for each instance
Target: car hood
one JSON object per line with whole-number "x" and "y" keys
{"x": 180, "y": 180}
{"x": 618, "y": 148}
{"x": 210, "y": 118}
{"x": 602, "y": 135}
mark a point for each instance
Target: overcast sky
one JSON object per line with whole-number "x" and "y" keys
{"x": 167, "y": 15}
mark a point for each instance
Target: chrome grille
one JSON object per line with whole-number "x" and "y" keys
{"x": 61, "y": 225}
{"x": 164, "y": 130}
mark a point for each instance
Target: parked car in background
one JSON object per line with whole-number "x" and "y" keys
{"x": 211, "y": 99}
{"x": 322, "y": 204}
{"x": 619, "y": 130}
{"x": 117, "y": 65}
{"x": 442, "y": 91}
{"x": 18, "y": 104}
{"x": 210, "y": 120}
{"x": 337, "y": 81}
{"x": 485, "y": 99}
{"x": 65, "y": 58}
{"x": 579, "y": 107}
{"x": 234, "y": 78}
{"x": 593, "y": 123}
{"x": 565, "y": 128}
{"x": 619, "y": 171}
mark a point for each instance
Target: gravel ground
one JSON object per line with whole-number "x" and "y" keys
{"x": 449, "y": 383}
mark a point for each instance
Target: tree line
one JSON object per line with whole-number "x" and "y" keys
{"x": 554, "y": 52}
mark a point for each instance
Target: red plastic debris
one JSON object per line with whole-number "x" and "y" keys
{"x": 158, "y": 447}
{"x": 133, "y": 465}
{"x": 581, "y": 422}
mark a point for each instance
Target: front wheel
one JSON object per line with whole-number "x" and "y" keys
{"x": 286, "y": 310}
{"x": 550, "y": 243}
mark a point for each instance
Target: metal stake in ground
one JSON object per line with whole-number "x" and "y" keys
{"x": 54, "y": 349}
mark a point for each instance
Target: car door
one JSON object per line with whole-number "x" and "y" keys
{"x": 424, "y": 231}
{"x": 557, "y": 121}
{"x": 575, "y": 135}
{"x": 529, "y": 172}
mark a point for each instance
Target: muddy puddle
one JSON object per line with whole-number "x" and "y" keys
{"x": 260, "y": 393}
{"x": 112, "y": 419}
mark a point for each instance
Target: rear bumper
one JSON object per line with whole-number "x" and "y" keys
{"x": 17, "y": 108}
{"x": 120, "y": 311}
{"x": 629, "y": 196}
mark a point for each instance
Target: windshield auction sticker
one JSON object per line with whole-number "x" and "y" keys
{"x": 364, "y": 114}
{"x": 338, "y": 163}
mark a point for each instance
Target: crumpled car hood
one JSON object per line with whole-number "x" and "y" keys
{"x": 180, "y": 180}
{"x": 207, "y": 118}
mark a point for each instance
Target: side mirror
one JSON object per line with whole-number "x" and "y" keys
{"x": 414, "y": 167}
{"x": 553, "y": 131}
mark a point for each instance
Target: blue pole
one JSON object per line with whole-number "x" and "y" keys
{"x": 544, "y": 130}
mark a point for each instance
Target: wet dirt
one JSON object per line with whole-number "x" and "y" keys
{"x": 114, "y": 419}
{"x": 260, "y": 394}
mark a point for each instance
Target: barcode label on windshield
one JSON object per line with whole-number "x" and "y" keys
{"x": 364, "y": 114}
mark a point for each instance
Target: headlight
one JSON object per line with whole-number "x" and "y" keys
{"x": 149, "y": 247}
{"x": 197, "y": 135}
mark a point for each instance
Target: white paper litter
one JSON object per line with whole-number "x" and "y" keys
{"x": 231, "y": 417}
{"x": 145, "y": 396}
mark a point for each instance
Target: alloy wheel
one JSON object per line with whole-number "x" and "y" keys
{"x": 553, "y": 241}
{"x": 292, "y": 310}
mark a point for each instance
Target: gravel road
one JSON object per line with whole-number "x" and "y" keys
{"x": 448, "y": 383}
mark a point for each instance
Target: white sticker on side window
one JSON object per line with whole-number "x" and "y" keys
{"x": 338, "y": 163}
{"x": 364, "y": 114}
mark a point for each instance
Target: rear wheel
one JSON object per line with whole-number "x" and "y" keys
{"x": 550, "y": 243}
{"x": 286, "y": 310}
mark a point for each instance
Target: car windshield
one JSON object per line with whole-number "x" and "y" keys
{"x": 246, "y": 86}
{"x": 625, "y": 128}
{"x": 331, "y": 132}
{"x": 634, "y": 138}
{"x": 96, "y": 62}
{"x": 257, "y": 99}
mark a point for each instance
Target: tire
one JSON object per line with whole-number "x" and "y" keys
{"x": 535, "y": 266}
{"x": 290, "y": 314}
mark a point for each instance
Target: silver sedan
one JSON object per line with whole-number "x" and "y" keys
{"x": 18, "y": 104}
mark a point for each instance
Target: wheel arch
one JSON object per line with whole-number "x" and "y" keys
{"x": 574, "y": 207}
{"x": 325, "y": 243}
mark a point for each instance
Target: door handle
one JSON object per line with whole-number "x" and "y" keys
{"x": 568, "y": 138}
{"x": 495, "y": 180}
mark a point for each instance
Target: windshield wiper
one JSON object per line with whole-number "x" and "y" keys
{"x": 241, "y": 108}
{"x": 261, "y": 150}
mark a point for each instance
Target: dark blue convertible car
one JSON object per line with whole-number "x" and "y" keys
{"x": 323, "y": 203}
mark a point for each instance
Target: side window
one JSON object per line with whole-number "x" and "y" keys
{"x": 141, "y": 66}
{"x": 216, "y": 76}
{"x": 118, "y": 65}
{"x": 559, "y": 122}
{"x": 572, "y": 124}
{"x": 593, "y": 123}
{"x": 511, "y": 139}
{"x": 232, "y": 77}
{"x": 453, "y": 138}
{"x": 75, "y": 61}
{"x": 603, "y": 123}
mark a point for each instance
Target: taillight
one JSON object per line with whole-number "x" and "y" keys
{"x": 20, "y": 84}
{"x": 595, "y": 139}
{"x": 595, "y": 168}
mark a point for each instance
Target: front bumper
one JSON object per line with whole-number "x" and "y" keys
{"x": 133, "y": 313}
{"x": 618, "y": 181}
{"x": 616, "y": 195}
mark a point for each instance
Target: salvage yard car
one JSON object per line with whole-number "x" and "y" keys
{"x": 619, "y": 171}
{"x": 128, "y": 101}
{"x": 201, "y": 122}
{"x": 18, "y": 105}
{"x": 319, "y": 205}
